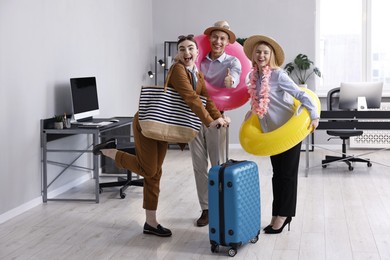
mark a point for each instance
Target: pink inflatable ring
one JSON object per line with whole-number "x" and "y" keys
{"x": 226, "y": 98}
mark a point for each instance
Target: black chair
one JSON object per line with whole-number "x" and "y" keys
{"x": 123, "y": 182}
{"x": 344, "y": 135}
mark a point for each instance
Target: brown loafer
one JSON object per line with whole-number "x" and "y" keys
{"x": 204, "y": 219}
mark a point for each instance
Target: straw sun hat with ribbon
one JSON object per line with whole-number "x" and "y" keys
{"x": 221, "y": 26}
{"x": 252, "y": 41}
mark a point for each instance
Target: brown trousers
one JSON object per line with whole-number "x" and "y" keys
{"x": 147, "y": 162}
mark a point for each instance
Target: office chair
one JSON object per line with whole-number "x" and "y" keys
{"x": 124, "y": 182}
{"x": 344, "y": 135}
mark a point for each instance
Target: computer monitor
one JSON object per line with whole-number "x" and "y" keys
{"x": 84, "y": 98}
{"x": 351, "y": 91}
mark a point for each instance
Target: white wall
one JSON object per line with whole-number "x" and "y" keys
{"x": 44, "y": 42}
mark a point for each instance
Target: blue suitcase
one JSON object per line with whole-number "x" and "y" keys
{"x": 234, "y": 205}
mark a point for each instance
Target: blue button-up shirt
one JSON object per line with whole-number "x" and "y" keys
{"x": 215, "y": 70}
{"x": 280, "y": 107}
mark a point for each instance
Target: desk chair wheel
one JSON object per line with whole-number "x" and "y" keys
{"x": 324, "y": 166}
{"x": 100, "y": 190}
{"x": 350, "y": 168}
{"x": 369, "y": 164}
{"x": 123, "y": 195}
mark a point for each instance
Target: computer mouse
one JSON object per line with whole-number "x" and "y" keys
{"x": 114, "y": 120}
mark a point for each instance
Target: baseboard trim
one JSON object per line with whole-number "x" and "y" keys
{"x": 38, "y": 201}
{"x": 20, "y": 209}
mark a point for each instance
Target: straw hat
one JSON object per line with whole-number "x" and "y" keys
{"x": 252, "y": 41}
{"x": 221, "y": 26}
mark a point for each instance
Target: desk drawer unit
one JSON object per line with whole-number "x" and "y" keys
{"x": 374, "y": 139}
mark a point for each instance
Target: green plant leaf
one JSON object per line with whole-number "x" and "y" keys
{"x": 58, "y": 118}
{"x": 241, "y": 41}
{"x": 317, "y": 72}
{"x": 301, "y": 68}
{"x": 289, "y": 68}
{"x": 302, "y": 62}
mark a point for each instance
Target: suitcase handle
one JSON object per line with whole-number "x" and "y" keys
{"x": 226, "y": 143}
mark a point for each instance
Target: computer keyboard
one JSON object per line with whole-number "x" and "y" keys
{"x": 94, "y": 124}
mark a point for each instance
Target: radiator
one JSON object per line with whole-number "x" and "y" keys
{"x": 373, "y": 138}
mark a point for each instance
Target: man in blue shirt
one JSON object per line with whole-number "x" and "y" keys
{"x": 220, "y": 70}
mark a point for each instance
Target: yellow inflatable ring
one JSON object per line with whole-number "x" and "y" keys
{"x": 255, "y": 142}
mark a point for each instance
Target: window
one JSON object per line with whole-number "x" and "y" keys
{"x": 354, "y": 42}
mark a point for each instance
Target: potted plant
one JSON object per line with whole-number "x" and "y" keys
{"x": 301, "y": 69}
{"x": 58, "y": 122}
{"x": 241, "y": 41}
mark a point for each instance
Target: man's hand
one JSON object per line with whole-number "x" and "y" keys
{"x": 228, "y": 79}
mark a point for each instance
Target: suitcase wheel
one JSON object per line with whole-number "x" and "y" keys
{"x": 255, "y": 239}
{"x": 232, "y": 252}
{"x": 214, "y": 248}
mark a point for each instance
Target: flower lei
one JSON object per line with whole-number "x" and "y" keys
{"x": 259, "y": 103}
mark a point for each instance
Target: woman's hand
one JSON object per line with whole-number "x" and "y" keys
{"x": 227, "y": 120}
{"x": 218, "y": 123}
{"x": 314, "y": 124}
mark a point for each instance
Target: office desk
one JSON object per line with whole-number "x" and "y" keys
{"x": 48, "y": 133}
{"x": 352, "y": 120}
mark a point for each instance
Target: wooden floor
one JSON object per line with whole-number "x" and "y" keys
{"x": 340, "y": 215}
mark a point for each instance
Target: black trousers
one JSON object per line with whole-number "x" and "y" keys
{"x": 284, "y": 181}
